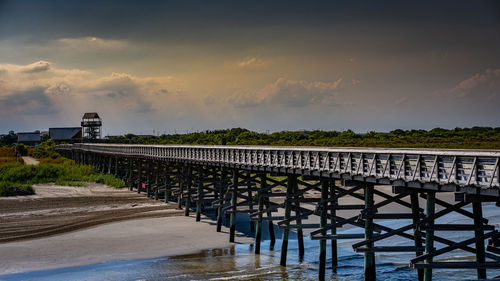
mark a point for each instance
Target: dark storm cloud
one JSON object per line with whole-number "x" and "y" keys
{"x": 28, "y": 102}
{"x": 173, "y": 20}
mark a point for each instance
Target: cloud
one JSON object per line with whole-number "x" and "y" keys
{"x": 290, "y": 93}
{"x": 143, "y": 107}
{"x": 53, "y": 90}
{"x": 59, "y": 89}
{"x": 117, "y": 94}
{"x": 29, "y": 102}
{"x": 91, "y": 42}
{"x": 39, "y": 66}
{"x": 250, "y": 62}
{"x": 485, "y": 85}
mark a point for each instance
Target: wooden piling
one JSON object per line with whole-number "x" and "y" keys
{"x": 139, "y": 176}
{"x": 157, "y": 175}
{"x": 300, "y": 233}
{"x": 130, "y": 171}
{"x": 478, "y": 223}
{"x": 234, "y": 197}
{"x": 180, "y": 175}
{"x": 370, "y": 274}
{"x": 250, "y": 200}
{"x": 270, "y": 226}
{"x": 199, "y": 192}
{"x": 222, "y": 194}
{"x": 286, "y": 230}
{"x": 429, "y": 232}
{"x": 415, "y": 209}
{"x": 258, "y": 233}
{"x": 333, "y": 231}
{"x": 323, "y": 223}
{"x": 167, "y": 182}
{"x": 188, "y": 191}
{"x": 148, "y": 178}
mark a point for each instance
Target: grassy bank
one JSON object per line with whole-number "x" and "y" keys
{"x": 15, "y": 176}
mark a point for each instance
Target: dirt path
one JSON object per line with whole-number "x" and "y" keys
{"x": 30, "y": 160}
{"x": 60, "y": 209}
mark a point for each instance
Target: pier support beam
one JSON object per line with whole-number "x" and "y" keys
{"x": 250, "y": 199}
{"x": 221, "y": 198}
{"x": 300, "y": 234}
{"x": 286, "y": 230}
{"x": 478, "y": 223}
{"x": 234, "y": 198}
{"x": 180, "y": 176}
{"x": 258, "y": 233}
{"x": 333, "y": 231}
{"x": 270, "y": 224}
{"x": 188, "y": 191}
{"x": 199, "y": 192}
{"x": 139, "y": 175}
{"x": 415, "y": 209}
{"x": 370, "y": 274}
{"x": 130, "y": 171}
{"x": 429, "y": 233}
{"x": 148, "y": 179}
{"x": 323, "y": 222}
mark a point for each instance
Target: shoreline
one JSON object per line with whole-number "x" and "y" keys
{"x": 147, "y": 229}
{"x": 146, "y": 238}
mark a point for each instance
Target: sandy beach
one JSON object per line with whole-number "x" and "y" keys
{"x": 71, "y": 226}
{"x": 64, "y": 226}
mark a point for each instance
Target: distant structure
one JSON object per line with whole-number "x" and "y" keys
{"x": 29, "y": 138}
{"x": 66, "y": 134}
{"x": 91, "y": 125}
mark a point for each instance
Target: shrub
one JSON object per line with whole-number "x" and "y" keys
{"x": 21, "y": 149}
{"x": 67, "y": 173}
{"x": 11, "y": 189}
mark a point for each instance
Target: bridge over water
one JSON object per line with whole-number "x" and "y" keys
{"x": 260, "y": 180}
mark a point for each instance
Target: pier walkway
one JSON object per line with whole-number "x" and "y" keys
{"x": 304, "y": 182}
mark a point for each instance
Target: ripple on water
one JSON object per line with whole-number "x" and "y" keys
{"x": 239, "y": 263}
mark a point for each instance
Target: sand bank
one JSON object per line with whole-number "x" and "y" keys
{"x": 126, "y": 240}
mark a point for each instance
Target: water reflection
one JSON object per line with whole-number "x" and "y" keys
{"x": 238, "y": 262}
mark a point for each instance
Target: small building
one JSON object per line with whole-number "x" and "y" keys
{"x": 91, "y": 124}
{"x": 66, "y": 134}
{"x": 29, "y": 138}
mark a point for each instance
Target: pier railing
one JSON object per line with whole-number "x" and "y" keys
{"x": 412, "y": 167}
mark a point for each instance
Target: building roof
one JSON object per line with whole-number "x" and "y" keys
{"x": 65, "y": 133}
{"x": 28, "y": 137}
{"x": 89, "y": 115}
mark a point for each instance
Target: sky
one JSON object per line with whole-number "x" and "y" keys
{"x": 184, "y": 66}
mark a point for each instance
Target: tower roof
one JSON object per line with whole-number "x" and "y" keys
{"x": 89, "y": 115}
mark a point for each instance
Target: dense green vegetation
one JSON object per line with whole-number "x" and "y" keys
{"x": 16, "y": 178}
{"x": 45, "y": 150}
{"x": 61, "y": 174}
{"x": 475, "y": 137}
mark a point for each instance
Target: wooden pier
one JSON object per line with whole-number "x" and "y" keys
{"x": 260, "y": 180}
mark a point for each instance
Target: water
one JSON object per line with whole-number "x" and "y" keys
{"x": 239, "y": 263}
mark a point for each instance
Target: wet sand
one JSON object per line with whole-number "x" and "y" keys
{"x": 70, "y": 226}
{"x": 59, "y": 209}
{"x": 127, "y": 240}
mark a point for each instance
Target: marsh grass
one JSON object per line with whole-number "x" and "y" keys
{"x": 65, "y": 172}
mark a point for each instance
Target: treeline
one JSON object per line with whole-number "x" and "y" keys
{"x": 470, "y": 138}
